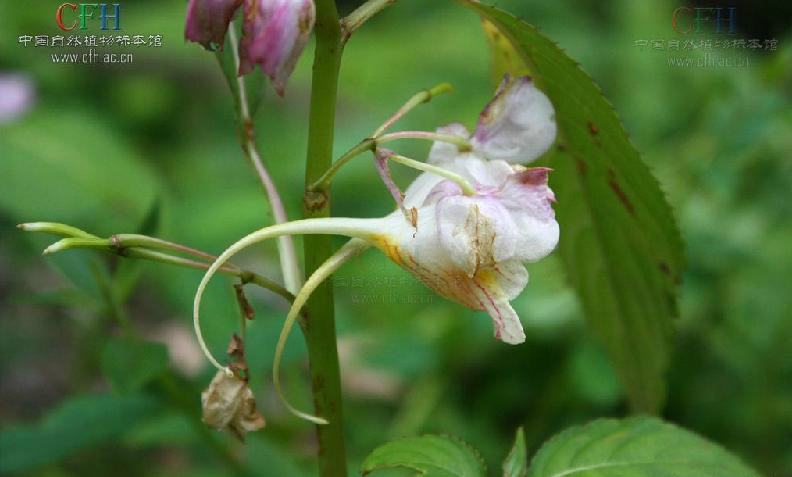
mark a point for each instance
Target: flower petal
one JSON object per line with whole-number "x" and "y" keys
{"x": 418, "y": 191}
{"x": 528, "y": 199}
{"x": 476, "y": 232}
{"x": 275, "y": 33}
{"x": 443, "y": 265}
{"x": 518, "y": 125}
{"x": 487, "y": 288}
{"x": 207, "y": 21}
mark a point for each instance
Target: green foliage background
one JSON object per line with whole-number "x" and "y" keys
{"x": 151, "y": 146}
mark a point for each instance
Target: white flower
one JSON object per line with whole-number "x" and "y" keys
{"x": 468, "y": 244}
{"x": 470, "y": 249}
{"x": 464, "y": 227}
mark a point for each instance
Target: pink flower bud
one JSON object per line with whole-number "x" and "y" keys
{"x": 274, "y": 35}
{"x": 208, "y": 20}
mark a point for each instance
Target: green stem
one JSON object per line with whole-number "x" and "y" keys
{"x": 370, "y": 143}
{"x": 323, "y": 181}
{"x": 288, "y": 256}
{"x": 319, "y": 328}
{"x": 462, "y": 143}
{"x": 140, "y": 246}
{"x": 361, "y": 15}
{"x": 417, "y": 99}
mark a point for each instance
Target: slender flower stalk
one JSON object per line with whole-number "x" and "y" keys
{"x": 457, "y": 179}
{"x": 292, "y": 276}
{"x": 137, "y": 246}
{"x": 417, "y": 99}
{"x": 361, "y": 15}
{"x": 462, "y": 144}
{"x": 370, "y": 143}
{"x": 137, "y": 240}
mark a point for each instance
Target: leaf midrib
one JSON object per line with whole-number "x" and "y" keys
{"x": 604, "y": 465}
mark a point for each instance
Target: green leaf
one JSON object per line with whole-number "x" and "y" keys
{"x": 516, "y": 463}
{"x": 77, "y": 424}
{"x": 69, "y": 165}
{"x": 129, "y": 364}
{"x": 619, "y": 241}
{"x": 429, "y": 455}
{"x": 634, "y": 447}
{"x": 79, "y": 267}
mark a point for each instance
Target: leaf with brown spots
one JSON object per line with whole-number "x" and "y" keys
{"x": 616, "y": 225}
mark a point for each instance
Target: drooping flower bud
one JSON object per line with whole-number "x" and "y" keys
{"x": 208, "y": 20}
{"x": 274, "y": 35}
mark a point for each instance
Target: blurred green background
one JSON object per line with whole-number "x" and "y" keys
{"x": 151, "y": 146}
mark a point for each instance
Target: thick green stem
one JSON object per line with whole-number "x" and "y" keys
{"x": 319, "y": 328}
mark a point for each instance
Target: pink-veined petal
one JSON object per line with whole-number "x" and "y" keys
{"x": 487, "y": 288}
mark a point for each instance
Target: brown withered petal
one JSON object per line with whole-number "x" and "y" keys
{"x": 229, "y": 404}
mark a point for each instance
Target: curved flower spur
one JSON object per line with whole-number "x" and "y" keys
{"x": 465, "y": 225}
